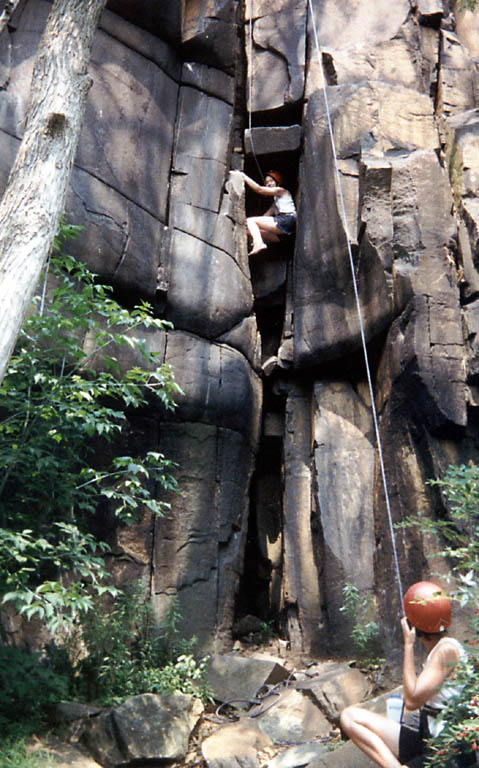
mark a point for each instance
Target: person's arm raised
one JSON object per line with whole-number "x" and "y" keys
{"x": 418, "y": 689}
{"x": 261, "y": 190}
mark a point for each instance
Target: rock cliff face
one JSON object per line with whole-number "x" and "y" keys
{"x": 281, "y": 499}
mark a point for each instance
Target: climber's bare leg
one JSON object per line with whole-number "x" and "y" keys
{"x": 263, "y": 230}
{"x": 377, "y": 736}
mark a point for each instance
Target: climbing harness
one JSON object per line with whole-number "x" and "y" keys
{"x": 358, "y": 305}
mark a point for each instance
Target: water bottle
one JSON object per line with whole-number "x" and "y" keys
{"x": 394, "y": 707}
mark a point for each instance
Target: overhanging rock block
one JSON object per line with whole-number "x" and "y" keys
{"x": 264, "y": 141}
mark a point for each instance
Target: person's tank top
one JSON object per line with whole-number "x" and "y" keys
{"x": 284, "y": 203}
{"x": 447, "y": 691}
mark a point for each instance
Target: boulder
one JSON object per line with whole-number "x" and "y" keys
{"x": 55, "y": 753}
{"x": 298, "y": 756}
{"x": 235, "y": 746}
{"x": 337, "y": 688}
{"x": 345, "y": 756}
{"x": 144, "y": 728}
{"x": 291, "y": 717}
{"x": 165, "y": 123}
{"x": 239, "y": 680}
{"x": 69, "y": 711}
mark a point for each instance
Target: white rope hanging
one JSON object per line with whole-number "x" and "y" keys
{"x": 358, "y": 305}
{"x": 250, "y": 89}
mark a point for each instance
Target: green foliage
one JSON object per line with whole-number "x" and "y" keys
{"x": 467, "y": 5}
{"x": 458, "y": 533}
{"x": 360, "y": 608}
{"x": 125, "y": 657}
{"x": 267, "y": 631}
{"x": 458, "y": 537}
{"x": 29, "y": 690}
{"x": 64, "y": 402}
{"x": 14, "y": 754}
{"x": 461, "y": 718}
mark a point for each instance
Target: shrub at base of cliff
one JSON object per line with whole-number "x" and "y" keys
{"x": 58, "y": 413}
{"x": 361, "y": 610}
{"x": 29, "y": 691}
{"x": 110, "y": 655}
{"x": 124, "y": 657}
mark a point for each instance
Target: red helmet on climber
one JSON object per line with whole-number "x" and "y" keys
{"x": 427, "y": 607}
{"x": 277, "y": 176}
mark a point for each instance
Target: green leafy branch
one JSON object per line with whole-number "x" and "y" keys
{"x": 65, "y": 403}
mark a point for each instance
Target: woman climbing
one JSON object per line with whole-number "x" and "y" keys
{"x": 279, "y": 221}
{"x": 391, "y": 744}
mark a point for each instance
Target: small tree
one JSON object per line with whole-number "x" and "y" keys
{"x": 58, "y": 414}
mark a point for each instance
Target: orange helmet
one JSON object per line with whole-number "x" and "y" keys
{"x": 427, "y": 607}
{"x": 277, "y": 176}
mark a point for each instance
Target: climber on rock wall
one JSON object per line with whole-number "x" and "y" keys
{"x": 391, "y": 744}
{"x": 279, "y": 221}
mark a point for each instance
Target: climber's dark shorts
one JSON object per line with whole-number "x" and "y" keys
{"x": 411, "y": 744}
{"x": 414, "y": 750}
{"x": 413, "y": 747}
{"x": 286, "y": 222}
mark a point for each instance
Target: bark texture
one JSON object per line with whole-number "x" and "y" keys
{"x": 34, "y": 198}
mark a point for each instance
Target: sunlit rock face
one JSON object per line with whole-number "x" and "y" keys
{"x": 281, "y": 499}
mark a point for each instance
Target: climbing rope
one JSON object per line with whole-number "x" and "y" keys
{"x": 250, "y": 89}
{"x": 351, "y": 263}
{"x": 358, "y": 305}
{"x": 258, "y": 703}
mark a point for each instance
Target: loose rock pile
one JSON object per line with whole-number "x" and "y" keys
{"x": 266, "y": 715}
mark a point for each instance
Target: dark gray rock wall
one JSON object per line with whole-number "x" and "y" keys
{"x": 181, "y": 94}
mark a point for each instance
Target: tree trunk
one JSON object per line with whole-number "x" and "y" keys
{"x": 35, "y": 195}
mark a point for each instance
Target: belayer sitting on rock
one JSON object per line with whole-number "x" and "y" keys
{"x": 279, "y": 221}
{"x": 391, "y": 744}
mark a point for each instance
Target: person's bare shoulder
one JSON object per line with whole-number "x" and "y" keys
{"x": 448, "y": 654}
